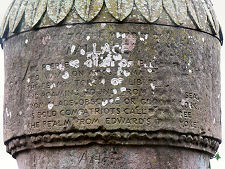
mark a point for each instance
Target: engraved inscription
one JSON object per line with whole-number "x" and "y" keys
{"x": 121, "y": 81}
{"x": 189, "y": 105}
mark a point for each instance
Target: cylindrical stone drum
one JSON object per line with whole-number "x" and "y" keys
{"x": 112, "y": 84}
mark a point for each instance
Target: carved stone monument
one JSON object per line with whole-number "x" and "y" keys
{"x": 112, "y": 84}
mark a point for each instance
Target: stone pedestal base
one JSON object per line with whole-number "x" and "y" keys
{"x": 113, "y": 157}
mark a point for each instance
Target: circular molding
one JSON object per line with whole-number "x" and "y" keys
{"x": 160, "y": 138}
{"x": 25, "y": 15}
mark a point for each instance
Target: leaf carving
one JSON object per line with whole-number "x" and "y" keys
{"x": 59, "y": 9}
{"x": 120, "y": 9}
{"x": 88, "y": 9}
{"x": 16, "y": 14}
{"x": 34, "y": 11}
{"x": 211, "y": 16}
{"x": 177, "y": 10}
{"x": 150, "y": 9}
{"x": 6, "y": 20}
{"x": 197, "y": 13}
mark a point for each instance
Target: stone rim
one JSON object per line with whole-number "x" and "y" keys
{"x": 25, "y": 15}
{"x": 159, "y": 138}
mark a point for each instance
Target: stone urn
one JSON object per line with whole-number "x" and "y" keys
{"x": 112, "y": 84}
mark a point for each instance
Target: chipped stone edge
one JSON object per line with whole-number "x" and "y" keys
{"x": 7, "y": 28}
{"x": 160, "y": 138}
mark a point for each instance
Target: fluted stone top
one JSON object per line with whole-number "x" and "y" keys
{"x": 25, "y": 15}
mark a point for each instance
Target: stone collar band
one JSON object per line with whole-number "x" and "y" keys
{"x": 25, "y": 15}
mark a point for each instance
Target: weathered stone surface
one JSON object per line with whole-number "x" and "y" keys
{"x": 139, "y": 82}
{"x": 194, "y": 14}
{"x": 133, "y": 79}
{"x": 111, "y": 157}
